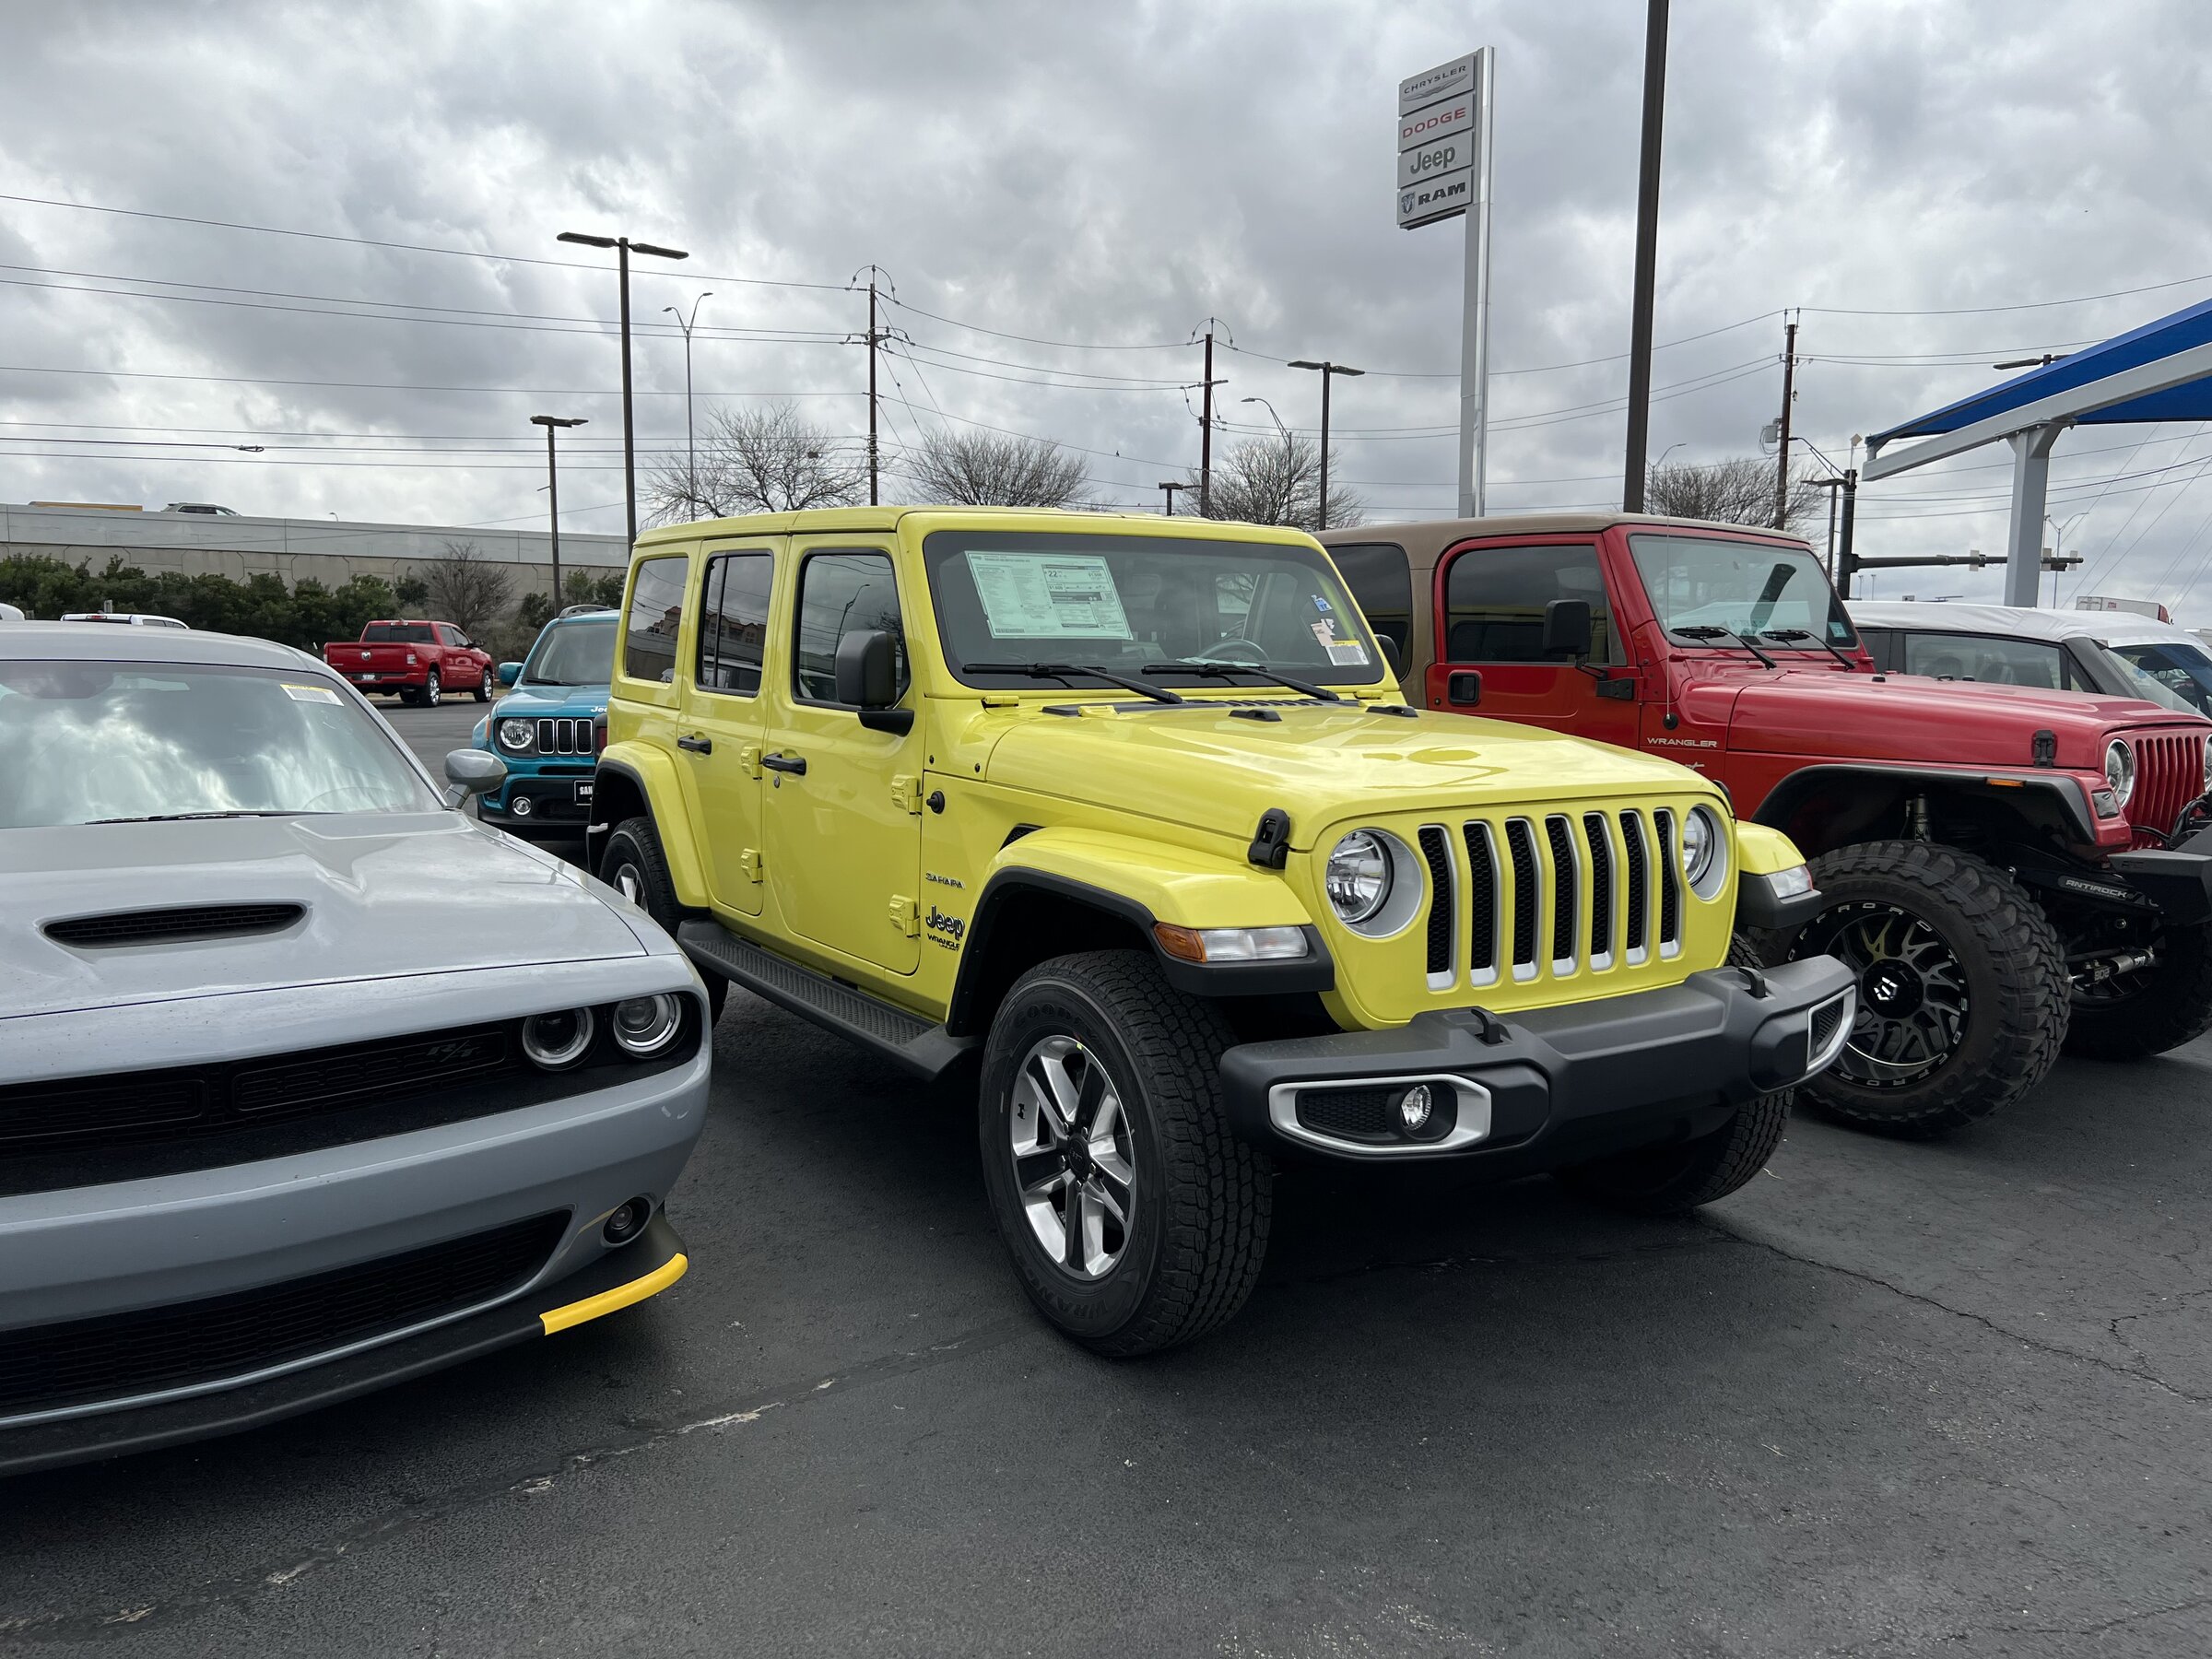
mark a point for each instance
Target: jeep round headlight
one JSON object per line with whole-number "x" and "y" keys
{"x": 645, "y": 1025}
{"x": 555, "y": 1042}
{"x": 1357, "y": 876}
{"x": 2208, "y": 766}
{"x": 2120, "y": 769}
{"x": 517, "y": 735}
{"x": 1704, "y": 851}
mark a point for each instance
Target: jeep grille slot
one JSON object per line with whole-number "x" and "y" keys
{"x": 1482, "y": 903}
{"x": 2168, "y": 775}
{"x": 1636, "y": 852}
{"x": 1566, "y": 892}
{"x": 1670, "y": 885}
{"x": 1601, "y": 888}
{"x": 566, "y": 736}
{"x": 1442, "y": 905}
{"x": 1521, "y": 846}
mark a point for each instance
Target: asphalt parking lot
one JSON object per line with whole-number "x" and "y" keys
{"x": 1889, "y": 1399}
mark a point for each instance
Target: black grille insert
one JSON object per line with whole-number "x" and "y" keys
{"x": 1601, "y": 885}
{"x": 1361, "y": 1114}
{"x": 1634, "y": 853}
{"x": 1670, "y": 885}
{"x": 171, "y": 925}
{"x": 121, "y": 1355}
{"x": 1482, "y": 899}
{"x": 1561, "y": 837}
{"x": 1521, "y": 846}
{"x": 1434, "y": 851}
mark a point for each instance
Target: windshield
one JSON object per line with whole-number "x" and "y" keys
{"x": 1120, "y": 601}
{"x": 573, "y": 654}
{"x": 396, "y": 634}
{"x": 1751, "y": 588}
{"x": 2184, "y": 671}
{"x": 83, "y": 743}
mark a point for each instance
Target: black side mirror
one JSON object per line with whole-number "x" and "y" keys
{"x": 867, "y": 679}
{"x": 1567, "y": 628}
{"x": 1392, "y": 658}
{"x": 1462, "y": 687}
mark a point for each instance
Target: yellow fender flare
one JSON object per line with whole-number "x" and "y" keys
{"x": 1176, "y": 885}
{"x": 654, "y": 772}
{"x": 1763, "y": 852}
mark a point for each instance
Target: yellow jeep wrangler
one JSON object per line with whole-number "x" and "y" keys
{"x": 1130, "y": 814}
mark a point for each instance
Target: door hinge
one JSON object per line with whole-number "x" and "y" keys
{"x": 906, "y": 793}
{"x": 749, "y": 861}
{"x": 906, "y": 915}
{"x": 749, "y": 758}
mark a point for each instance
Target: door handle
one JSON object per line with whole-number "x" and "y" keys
{"x": 794, "y": 764}
{"x": 698, "y": 745}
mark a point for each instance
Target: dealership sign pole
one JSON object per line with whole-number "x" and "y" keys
{"x": 1444, "y": 172}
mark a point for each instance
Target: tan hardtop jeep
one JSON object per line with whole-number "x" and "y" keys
{"x": 1129, "y": 815}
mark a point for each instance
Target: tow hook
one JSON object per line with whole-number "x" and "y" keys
{"x": 2095, "y": 971}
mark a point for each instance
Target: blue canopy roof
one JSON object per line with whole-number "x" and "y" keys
{"x": 2148, "y": 344}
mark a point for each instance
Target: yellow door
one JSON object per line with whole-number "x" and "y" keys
{"x": 840, "y": 803}
{"x": 720, "y": 735}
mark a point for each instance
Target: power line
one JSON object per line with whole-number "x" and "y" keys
{"x": 258, "y": 380}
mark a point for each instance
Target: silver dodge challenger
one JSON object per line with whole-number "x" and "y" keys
{"x": 308, "y": 1082}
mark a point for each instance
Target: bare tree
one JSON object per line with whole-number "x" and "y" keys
{"x": 766, "y": 459}
{"x": 1277, "y": 481}
{"x": 988, "y": 469}
{"x": 1739, "y": 490}
{"x": 463, "y": 587}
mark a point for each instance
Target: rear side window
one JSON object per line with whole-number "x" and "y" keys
{"x": 1382, "y": 583}
{"x": 732, "y": 622}
{"x": 1994, "y": 661}
{"x": 656, "y": 617}
{"x": 841, "y": 593}
{"x": 1494, "y": 600}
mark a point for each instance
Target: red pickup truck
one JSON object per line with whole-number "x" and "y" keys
{"x": 2010, "y": 869}
{"x": 422, "y": 661}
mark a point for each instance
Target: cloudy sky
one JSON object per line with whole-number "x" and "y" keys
{"x": 1061, "y": 195}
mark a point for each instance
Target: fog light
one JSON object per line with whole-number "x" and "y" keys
{"x": 1414, "y": 1109}
{"x": 555, "y": 1042}
{"x": 628, "y": 1220}
{"x": 646, "y": 1025}
{"x": 521, "y": 806}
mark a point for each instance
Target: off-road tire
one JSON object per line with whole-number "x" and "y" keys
{"x": 635, "y": 846}
{"x": 2014, "y": 968}
{"x": 2173, "y": 1007}
{"x": 1202, "y": 1198}
{"x": 433, "y": 690}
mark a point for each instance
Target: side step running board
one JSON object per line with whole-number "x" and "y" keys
{"x": 927, "y": 1051}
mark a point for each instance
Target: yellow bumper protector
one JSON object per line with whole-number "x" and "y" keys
{"x": 621, "y": 1296}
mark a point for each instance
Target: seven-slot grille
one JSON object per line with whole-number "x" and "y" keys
{"x": 566, "y": 736}
{"x": 2170, "y": 773}
{"x": 1523, "y": 896}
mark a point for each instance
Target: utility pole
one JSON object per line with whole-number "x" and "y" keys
{"x": 874, "y": 337}
{"x": 1327, "y": 372}
{"x": 553, "y": 493}
{"x": 690, "y": 435}
{"x": 1847, "y": 561}
{"x": 1782, "y": 464}
{"x": 629, "y": 430}
{"x": 1170, "y": 485}
{"x": 1206, "y": 418}
{"x": 1647, "y": 254}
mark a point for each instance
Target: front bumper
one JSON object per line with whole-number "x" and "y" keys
{"x": 559, "y": 802}
{"x": 645, "y": 1267}
{"x": 2177, "y": 882}
{"x": 1552, "y": 1087}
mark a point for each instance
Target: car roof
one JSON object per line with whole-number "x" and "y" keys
{"x": 1425, "y": 540}
{"x": 104, "y": 643}
{"x": 2109, "y": 627}
{"x": 831, "y": 520}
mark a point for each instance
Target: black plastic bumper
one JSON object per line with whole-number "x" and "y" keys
{"x": 2178, "y": 882}
{"x": 1546, "y": 1088}
{"x": 227, "y": 1411}
{"x": 555, "y": 813}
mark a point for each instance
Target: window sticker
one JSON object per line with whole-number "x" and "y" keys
{"x": 321, "y": 694}
{"x": 1048, "y": 596}
{"x": 1324, "y": 633}
{"x": 1322, "y": 603}
{"x": 1347, "y": 654}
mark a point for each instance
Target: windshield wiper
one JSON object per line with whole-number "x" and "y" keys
{"x": 1707, "y": 631}
{"x": 1223, "y": 670}
{"x": 1060, "y": 671}
{"x": 179, "y": 818}
{"x": 1787, "y": 634}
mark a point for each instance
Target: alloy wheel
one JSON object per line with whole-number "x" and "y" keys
{"x": 1075, "y": 1165}
{"x": 1912, "y": 995}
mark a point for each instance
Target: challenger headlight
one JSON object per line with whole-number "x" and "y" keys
{"x": 2120, "y": 769}
{"x": 643, "y": 1026}
{"x": 555, "y": 1042}
{"x": 1704, "y": 851}
{"x": 1357, "y": 876}
{"x": 516, "y": 736}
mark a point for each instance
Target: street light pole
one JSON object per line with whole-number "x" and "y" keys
{"x": 690, "y": 437}
{"x": 1170, "y": 485}
{"x": 623, "y": 245}
{"x": 553, "y": 492}
{"x": 1647, "y": 253}
{"x": 1326, "y": 369}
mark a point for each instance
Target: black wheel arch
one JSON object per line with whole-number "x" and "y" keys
{"x": 617, "y": 792}
{"x": 1824, "y": 808}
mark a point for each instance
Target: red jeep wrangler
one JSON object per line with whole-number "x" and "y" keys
{"x": 2009, "y": 868}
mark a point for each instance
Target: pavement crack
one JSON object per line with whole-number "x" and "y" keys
{"x": 236, "y": 1589}
{"x": 2023, "y": 1338}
